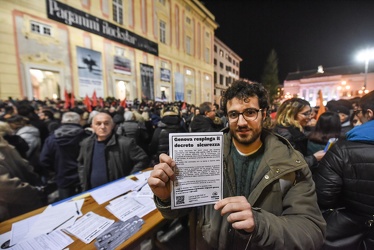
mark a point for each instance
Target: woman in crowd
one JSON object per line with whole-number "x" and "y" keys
{"x": 328, "y": 126}
{"x": 292, "y": 117}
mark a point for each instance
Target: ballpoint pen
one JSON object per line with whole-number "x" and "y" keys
{"x": 60, "y": 225}
{"x": 76, "y": 205}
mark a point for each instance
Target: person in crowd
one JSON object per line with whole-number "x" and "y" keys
{"x": 26, "y": 110}
{"x": 132, "y": 129}
{"x": 60, "y": 152}
{"x": 344, "y": 114}
{"x": 206, "y": 120}
{"x": 106, "y": 156}
{"x": 21, "y": 189}
{"x": 344, "y": 184}
{"x": 15, "y": 140}
{"x": 22, "y": 127}
{"x": 354, "y": 120}
{"x": 258, "y": 210}
{"x": 313, "y": 119}
{"x": 190, "y": 114}
{"x": 328, "y": 126}
{"x": 48, "y": 118}
{"x": 9, "y": 111}
{"x": 292, "y": 117}
{"x": 169, "y": 123}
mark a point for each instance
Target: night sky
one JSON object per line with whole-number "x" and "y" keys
{"x": 304, "y": 34}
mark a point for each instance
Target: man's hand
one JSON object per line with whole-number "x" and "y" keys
{"x": 160, "y": 177}
{"x": 240, "y": 212}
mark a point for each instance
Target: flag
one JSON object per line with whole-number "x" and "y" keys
{"x": 322, "y": 108}
{"x": 123, "y": 103}
{"x": 72, "y": 101}
{"x": 184, "y": 105}
{"x": 87, "y": 102}
{"x": 67, "y": 100}
{"x": 94, "y": 99}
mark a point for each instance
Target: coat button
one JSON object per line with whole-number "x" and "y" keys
{"x": 298, "y": 161}
{"x": 266, "y": 177}
{"x": 277, "y": 171}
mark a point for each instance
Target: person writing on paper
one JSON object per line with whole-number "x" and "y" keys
{"x": 344, "y": 184}
{"x": 106, "y": 156}
{"x": 269, "y": 199}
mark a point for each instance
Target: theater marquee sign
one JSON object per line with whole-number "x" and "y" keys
{"x": 73, "y": 17}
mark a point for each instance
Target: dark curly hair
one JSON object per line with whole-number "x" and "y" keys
{"x": 242, "y": 90}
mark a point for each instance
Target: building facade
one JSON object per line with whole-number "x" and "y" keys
{"x": 344, "y": 82}
{"x": 145, "y": 49}
{"x": 226, "y": 68}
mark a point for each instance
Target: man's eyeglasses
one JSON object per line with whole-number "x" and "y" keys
{"x": 358, "y": 111}
{"x": 248, "y": 114}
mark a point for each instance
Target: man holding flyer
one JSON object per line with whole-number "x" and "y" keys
{"x": 269, "y": 199}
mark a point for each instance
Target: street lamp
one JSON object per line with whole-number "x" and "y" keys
{"x": 366, "y": 55}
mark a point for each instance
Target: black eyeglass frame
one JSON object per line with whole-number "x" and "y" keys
{"x": 242, "y": 113}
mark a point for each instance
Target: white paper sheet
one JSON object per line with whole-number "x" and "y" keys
{"x": 126, "y": 207}
{"x": 52, "y": 218}
{"x": 111, "y": 190}
{"x": 199, "y": 168}
{"x": 89, "y": 226}
{"x": 56, "y": 240}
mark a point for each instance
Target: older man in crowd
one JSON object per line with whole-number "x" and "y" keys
{"x": 106, "y": 156}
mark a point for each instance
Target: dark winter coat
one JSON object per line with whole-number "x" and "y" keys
{"x": 298, "y": 140}
{"x": 60, "y": 153}
{"x": 160, "y": 138}
{"x": 345, "y": 178}
{"x": 123, "y": 157}
{"x": 201, "y": 123}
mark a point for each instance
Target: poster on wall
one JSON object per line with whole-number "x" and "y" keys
{"x": 146, "y": 74}
{"x": 89, "y": 72}
{"x": 122, "y": 65}
{"x": 165, "y": 75}
{"x": 179, "y": 87}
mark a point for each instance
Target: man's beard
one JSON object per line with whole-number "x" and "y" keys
{"x": 249, "y": 138}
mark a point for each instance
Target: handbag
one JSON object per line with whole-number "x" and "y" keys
{"x": 346, "y": 230}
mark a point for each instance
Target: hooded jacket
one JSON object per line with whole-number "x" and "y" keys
{"x": 32, "y": 136}
{"x": 123, "y": 157}
{"x": 60, "y": 153}
{"x": 283, "y": 199}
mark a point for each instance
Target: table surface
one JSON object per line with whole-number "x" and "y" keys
{"x": 152, "y": 222}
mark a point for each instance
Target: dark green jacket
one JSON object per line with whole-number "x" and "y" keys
{"x": 283, "y": 199}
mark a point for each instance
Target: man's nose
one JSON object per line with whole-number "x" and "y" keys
{"x": 242, "y": 120}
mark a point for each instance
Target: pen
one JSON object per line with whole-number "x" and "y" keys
{"x": 140, "y": 188}
{"x": 76, "y": 205}
{"x": 60, "y": 225}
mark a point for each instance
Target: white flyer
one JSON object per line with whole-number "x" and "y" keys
{"x": 89, "y": 226}
{"x": 199, "y": 168}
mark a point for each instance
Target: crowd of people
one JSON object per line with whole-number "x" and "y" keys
{"x": 280, "y": 184}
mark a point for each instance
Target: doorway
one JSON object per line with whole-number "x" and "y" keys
{"x": 122, "y": 90}
{"x": 45, "y": 84}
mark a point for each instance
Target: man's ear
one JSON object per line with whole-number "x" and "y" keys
{"x": 370, "y": 114}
